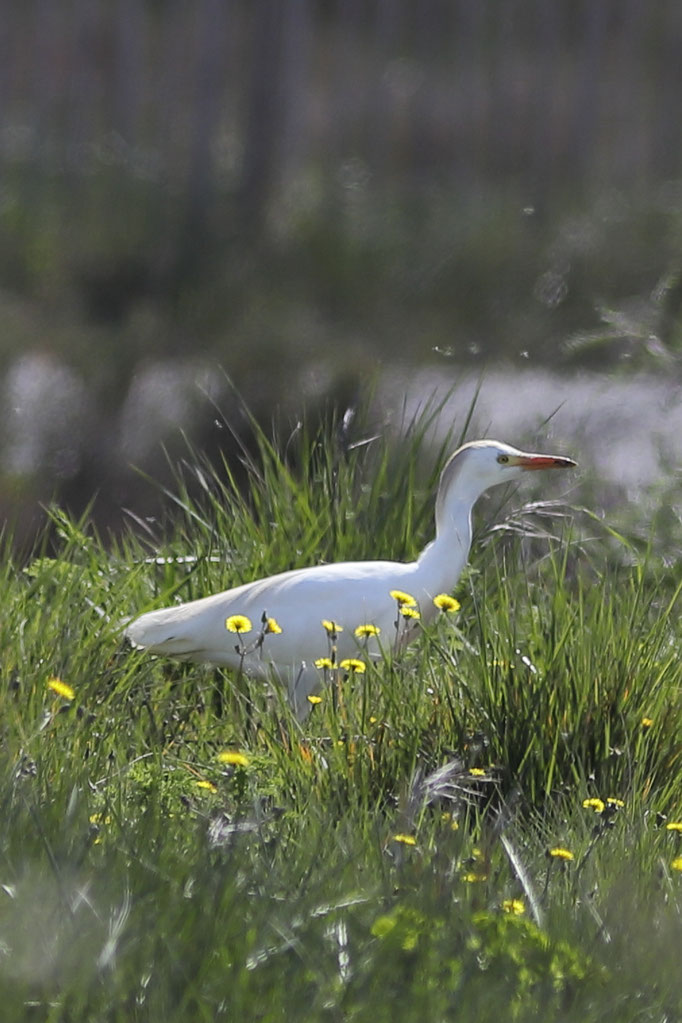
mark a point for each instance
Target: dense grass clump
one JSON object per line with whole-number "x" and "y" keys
{"x": 488, "y": 824}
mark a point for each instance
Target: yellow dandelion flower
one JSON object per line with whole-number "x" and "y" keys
{"x": 352, "y": 664}
{"x": 367, "y": 630}
{"x": 404, "y": 599}
{"x": 234, "y": 758}
{"x": 99, "y": 818}
{"x": 677, "y": 863}
{"x": 314, "y": 699}
{"x": 372, "y": 720}
{"x": 594, "y": 804}
{"x": 514, "y": 906}
{"x": 674, "y": 826}
{"x": 273, "y": 626}
{"x": 444, "y": 602}
{"x": 647, "y": 722}
{"x": 614, "y": 801}
{"x": 477, "y": 772}
{"x": 330, "y": 626}
{"x": 558, "y": 853}
{"x": 324, "y": 662}
{"x": 238, "y": 623}
{"x": 405, "y": 839}
{"x": 208, "y": 785}
{"x": 409, "y": 612}
{"x": 472, "y": 877}
{"x": 61, "y": 688}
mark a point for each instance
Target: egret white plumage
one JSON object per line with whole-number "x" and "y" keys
{"x": 348, "y": 594}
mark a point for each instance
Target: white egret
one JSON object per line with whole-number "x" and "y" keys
{"x": 283, "y": 624}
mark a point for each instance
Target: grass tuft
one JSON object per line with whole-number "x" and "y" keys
{"x": 475, "y": 825}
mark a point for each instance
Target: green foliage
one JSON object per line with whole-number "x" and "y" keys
{"x": 488, "y": 958}
{"x": 390, "y": 857}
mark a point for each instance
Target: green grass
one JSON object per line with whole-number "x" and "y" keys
{"x": 277, "y": 890}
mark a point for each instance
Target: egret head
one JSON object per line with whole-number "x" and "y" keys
{"x": 484, "y": 463}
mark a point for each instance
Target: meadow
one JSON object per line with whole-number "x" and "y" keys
{"x": 488, "y": 825}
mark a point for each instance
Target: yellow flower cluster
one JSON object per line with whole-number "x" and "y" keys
{"x": 444, "y": 602}
{"x": 367, "y": 630}
{"x": 352, "y": 664}
{"x": 238, "y": 624}
{"x": 208, "y": 785}
{"x": 514, "y": 906}
{"x": 559, "y": 853}
{"x": 61, "y": 688}
{"x": 405, "y": 839}
{"x": 599, "y": 805}
{"x": 404, "y": 599}
{"x": 234, "y": 758}
{"x": 241, "y": 624}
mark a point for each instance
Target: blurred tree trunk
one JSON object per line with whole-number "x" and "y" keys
{"x": 380, "y": 101}
{"x": 589, "y": 86}
{"x": 667, "y": 92}
{"x": 545, "y": 87}
{"x": 263, "y": 118}
{"x": 194, "y": 245}
{"x": 297, "y": 43}
{"x": 128, "y": 64}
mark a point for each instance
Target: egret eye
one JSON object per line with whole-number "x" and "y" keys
{"x": 503, "y": 459}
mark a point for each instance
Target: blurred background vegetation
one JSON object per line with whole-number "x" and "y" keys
{"x": 305, "y": 196}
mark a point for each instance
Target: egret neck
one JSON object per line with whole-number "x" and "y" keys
{"x": 441, "y": 562}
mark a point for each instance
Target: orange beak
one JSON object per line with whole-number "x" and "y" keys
{"x": 543, "y": 462}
